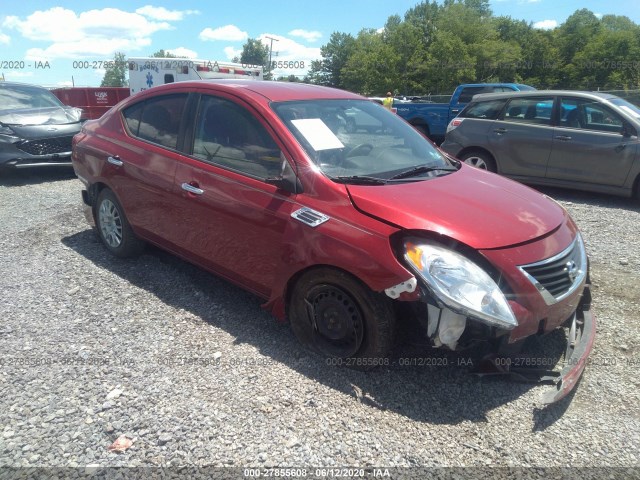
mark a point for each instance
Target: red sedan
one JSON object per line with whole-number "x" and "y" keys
{"x": 347, "y": 234}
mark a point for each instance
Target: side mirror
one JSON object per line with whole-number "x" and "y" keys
{"x": 628, "y": 130}
{"x": 287, "y": 180}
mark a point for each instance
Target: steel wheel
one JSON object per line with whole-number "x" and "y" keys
{"x": 336, "y": 321}
{"x": 110, "y": 223}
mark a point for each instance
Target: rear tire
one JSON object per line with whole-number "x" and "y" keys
{"x": 334, "y": 314}
{"x": 479, "y": 159}
{"x": 113, "y": 227}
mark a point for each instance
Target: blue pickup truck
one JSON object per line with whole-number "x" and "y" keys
{"x": 432, "y": 118}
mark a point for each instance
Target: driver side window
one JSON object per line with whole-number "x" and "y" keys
{"x": 230, "y": 136}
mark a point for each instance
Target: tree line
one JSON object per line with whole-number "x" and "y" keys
{"x": 435, "y": 47}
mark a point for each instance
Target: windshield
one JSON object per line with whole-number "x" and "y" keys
{"x": 19, "y": 97}
{"x": 629, "y": 108}
{"x": 356, "y": 140}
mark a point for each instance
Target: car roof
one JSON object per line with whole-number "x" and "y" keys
{"x": 270, "y": 90}
{"x": 538, "y": 93}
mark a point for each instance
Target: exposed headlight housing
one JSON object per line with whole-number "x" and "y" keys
{"x": 459, "y": 283}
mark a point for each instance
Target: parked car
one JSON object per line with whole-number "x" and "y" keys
{"x": 432, "y": 118}
{"x": 581, "y": 140}
{"x": 36, "y": 129}
{"x": 346, "y": 239}
{"x": 357, "y": 120}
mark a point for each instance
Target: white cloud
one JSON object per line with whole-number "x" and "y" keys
{"x": 15, "y": 74}
{"x": 546, "y": 24}
{"x": 91, "y": 33}
{"x": 288, "y": 50}
{"x": 231, "y": 52}
{"x": 598, "y": 15}
{"x": 309, "y": 36}
{"x": 4, "y": 38}
{"x": 183, "y": 52}
{"x": 229, "y": 33}
{"x": 161, "y": 13}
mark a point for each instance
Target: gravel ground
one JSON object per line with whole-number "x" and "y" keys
{"x": 194, "y": 373}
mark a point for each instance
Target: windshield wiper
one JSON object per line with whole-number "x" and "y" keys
{"x": 359, "y": 180}
{"x": 419, "y": 170}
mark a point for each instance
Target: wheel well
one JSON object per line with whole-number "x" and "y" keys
{"x": 424, "y": 126}
{"x": 94, "y": 190}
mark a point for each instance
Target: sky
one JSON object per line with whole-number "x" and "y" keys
{"x": 66, "y": 42}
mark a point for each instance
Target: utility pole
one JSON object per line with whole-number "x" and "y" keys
{"x": 271, "y": 51}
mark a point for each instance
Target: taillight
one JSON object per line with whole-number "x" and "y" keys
{"x": 454, "y": 123}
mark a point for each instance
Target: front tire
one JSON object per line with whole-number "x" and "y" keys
{"x": 113, "y": 227}
{"x": 334, "y": 314}
{"x": 479, "y": 159}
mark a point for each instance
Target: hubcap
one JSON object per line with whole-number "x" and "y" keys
{"x": 110, "y": 223}
{"x": 476, "y": 162}
{"x": 337, "y": 321}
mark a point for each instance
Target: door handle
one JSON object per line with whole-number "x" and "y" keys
{"x": 563, "y": 138}
{"x": 115, "y": 160}
{"x": 619, "y": 148}
{"x": 192, "y": 189}
{"x": 500, "y": 131}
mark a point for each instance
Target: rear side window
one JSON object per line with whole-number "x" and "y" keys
{"x": 536, "y": 110}
{"x": 157, "y": 120}
{"x": 468, "y": 92}
{"x": 486, "y": 110}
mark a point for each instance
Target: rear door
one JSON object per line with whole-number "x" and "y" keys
{"x": 588, "y": 144}
{"x": 521, "y": 137}
{"x": 231, "y": 220}
{"x": 141, "y": 169}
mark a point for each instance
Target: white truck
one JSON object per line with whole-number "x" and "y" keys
{"x": 147, "y": 72}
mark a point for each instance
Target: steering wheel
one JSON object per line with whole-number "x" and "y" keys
{"x": 362, "y": 149}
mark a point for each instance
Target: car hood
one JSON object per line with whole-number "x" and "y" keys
{"x": 478, "y": 208}
{"x": 25, "y": 117}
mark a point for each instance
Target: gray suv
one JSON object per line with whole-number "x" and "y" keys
{"x": 581, "y": 140}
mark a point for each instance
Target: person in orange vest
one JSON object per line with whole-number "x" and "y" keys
{"x": 388, "y": 102}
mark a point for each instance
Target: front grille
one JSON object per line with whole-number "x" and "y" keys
{"x": 46, "y": 146}
{"x": 560, "y": 275}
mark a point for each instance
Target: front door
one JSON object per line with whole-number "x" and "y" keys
{"x": 230, "y": 219}
{"x": 589, "y": 145}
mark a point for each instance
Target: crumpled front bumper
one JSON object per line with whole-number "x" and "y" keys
{"x": 579, "y": 344}
{"x": 581, "y": 338}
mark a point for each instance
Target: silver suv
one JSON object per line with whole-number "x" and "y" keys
{"x": 581, "y": 140}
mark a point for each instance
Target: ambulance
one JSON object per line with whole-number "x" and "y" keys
{"x": 147, "y": 72}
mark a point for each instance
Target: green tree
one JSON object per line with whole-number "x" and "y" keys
{"x": 254, "y": 52}
{"x": 370, "y": 67}
{"x": 115, "y": 74}
{"x": 335, "y": 54}
{"x": 163, "y": 54}
{"x": 406, "y": 65}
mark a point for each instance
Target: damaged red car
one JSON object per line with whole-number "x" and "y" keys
{"x": 346, "y": 234}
